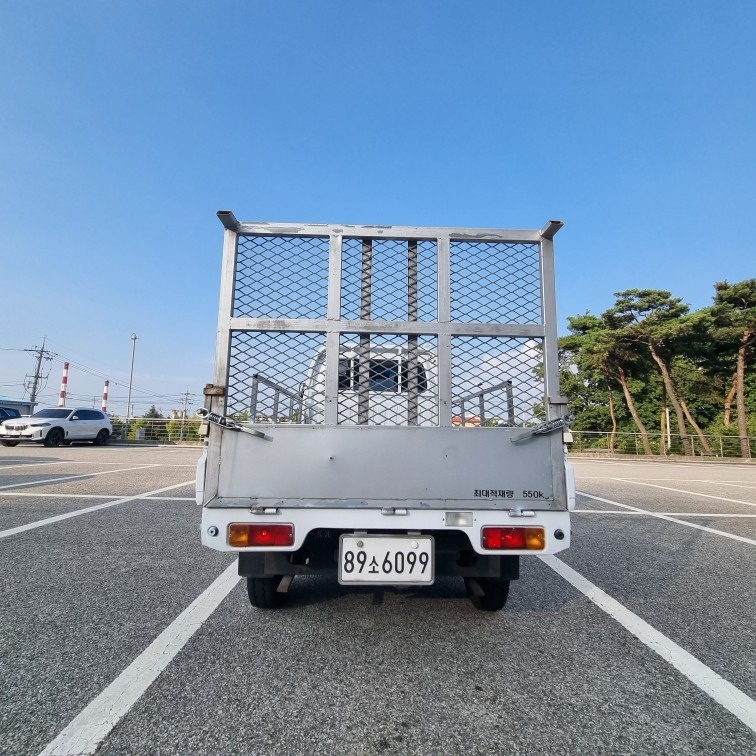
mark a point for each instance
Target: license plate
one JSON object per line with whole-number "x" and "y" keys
{"x": 387, "y": 560}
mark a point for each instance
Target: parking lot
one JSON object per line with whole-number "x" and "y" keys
{"x": 120, "y": 634}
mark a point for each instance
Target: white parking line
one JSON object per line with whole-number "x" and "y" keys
{"x": 651, "y": 464}
{"x": 666, "y": 514}
{"x": 81, "y": 462}
{"x": 689, "y": 493}
{"x": 669, "y": 519}
{"x": 77, "y": 512}
{"x": 193, "y": 499}
{"x": 23, "y": 494}
{"x": 86, "y": 731}
{"x": 74, "y": 477}
{"x": 35, "y": 495}
{"x": 736, "y": 483}
{"x": 706, "y": 679}
{"x": 37, "y": 464}
{"x": 730, "y": 483}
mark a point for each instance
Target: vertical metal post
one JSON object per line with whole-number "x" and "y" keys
{"x": 332, "y": 337}
{"x": 134, "y": 338}
{"x": 443, "y": 250}
{"x": 510, "y": 405}
{"x": 549, "y": 320}
{"x": 253, "y": 400}
{"x": 412, "y": 361}
{"x": 183, "y": 414}
{"x": 363, "y": 387}
{"x": 669, "y": 436}
{"x": 276, "y": 401}
{"x": 481, "y": 410}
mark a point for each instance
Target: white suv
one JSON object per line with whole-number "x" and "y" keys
{"x": 61, "y": 425}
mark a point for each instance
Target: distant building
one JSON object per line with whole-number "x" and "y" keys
{"x": 470, "y": 421}
{"x": 22, "y": 405}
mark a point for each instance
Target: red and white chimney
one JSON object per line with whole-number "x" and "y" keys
{"x": 105, "y": 397}
{"x": 63, "y": 386}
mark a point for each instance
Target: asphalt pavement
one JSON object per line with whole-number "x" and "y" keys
{"x": 121, "y": 634}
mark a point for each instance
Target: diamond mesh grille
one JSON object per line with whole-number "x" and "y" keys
{"x": 281, "y": 277}
{"x": 493, "y": 282}
{"x": 267, "y": 372}
{"x": 496, "y": 381}
{"x": 391, "y": 293}
{"x": 387, "y": 376}
{"x": 388, "y": 380}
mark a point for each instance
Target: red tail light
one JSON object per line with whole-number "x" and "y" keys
{"x": 499, "y": 538}
{"x": 242, "y": 534}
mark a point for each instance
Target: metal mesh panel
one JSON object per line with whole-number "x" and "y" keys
{"x": 494, "y": 282}
{"x": 268, "y": 373}
{"x": 277, "y": 375}
{"x": 281, "y": 277}
{"x": 388, "y": 380}
{"x": 495, "y": 381}
{"x": 388, "y": 279}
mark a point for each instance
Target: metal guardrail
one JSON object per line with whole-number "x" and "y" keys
{"x": 157, "y": 430}
{"x": 464, "y": 402}
{"x": 294, "y": 404}
{"x": 630, "y": 443}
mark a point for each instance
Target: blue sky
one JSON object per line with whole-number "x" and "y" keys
{"x": 125, "y": 126}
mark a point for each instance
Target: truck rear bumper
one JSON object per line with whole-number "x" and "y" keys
{"x": 319, "y": 557}
{"x": 467, "y": 523}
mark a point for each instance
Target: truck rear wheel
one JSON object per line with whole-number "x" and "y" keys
{"x": 263, "y": 592}
{"x": 495, "y": 594}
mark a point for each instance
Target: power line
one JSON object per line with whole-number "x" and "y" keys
{"x": 98, "y": 374}
{"x": 37, "y": 383}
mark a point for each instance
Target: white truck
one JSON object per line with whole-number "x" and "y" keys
{"x": 385, "y": 407}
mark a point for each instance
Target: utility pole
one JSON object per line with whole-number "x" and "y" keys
{"x": 134, "y": 338}
{"x": 42, "y": 353}
{"x": 183, "y": 414}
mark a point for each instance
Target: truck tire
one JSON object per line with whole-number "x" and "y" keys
{"x": 495, "y": 594}
{"x": 263, "y": 592}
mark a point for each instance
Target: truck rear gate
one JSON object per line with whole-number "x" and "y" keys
{"x": 384, "y": 381}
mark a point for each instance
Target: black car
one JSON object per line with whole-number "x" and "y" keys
{"x": 8, "y": 413}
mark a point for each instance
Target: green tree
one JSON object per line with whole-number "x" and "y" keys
{"x": 659, "y": 354}
{"x": 153, "y": 431}
{"x": 183, "y": 429}
{"x": 655, "y": 319}
{"x": 605, "y": 359}
{"x": 734, "y": 322}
